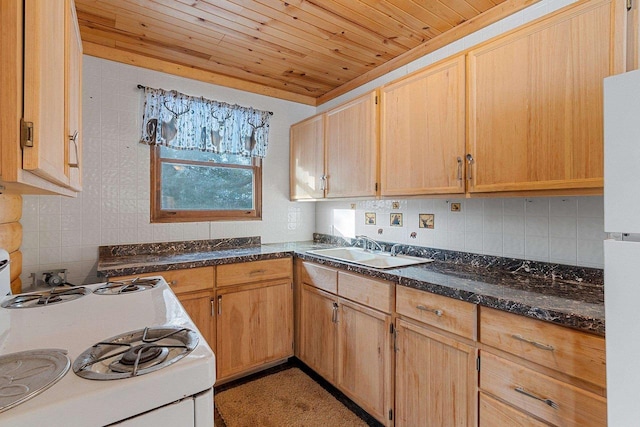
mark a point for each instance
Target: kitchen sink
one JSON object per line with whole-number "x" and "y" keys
{"x": 369, "y": 259}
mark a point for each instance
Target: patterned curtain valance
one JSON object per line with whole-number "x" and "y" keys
{"x": 185, "y": 122}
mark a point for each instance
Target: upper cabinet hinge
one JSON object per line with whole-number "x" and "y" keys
{"x": 377, "y": 95}
{"x": 629, "y": 4}
{"x": 390, "y": 414}
{"x": 478, "y": 363}
{"x": 376, "y": 186}
{"x": 26, "y": 134}
{"x": 391, "y": 328}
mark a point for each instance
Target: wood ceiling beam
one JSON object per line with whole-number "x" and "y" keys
{"x": 489, "y": 17}
{"x": 113, "y": 54}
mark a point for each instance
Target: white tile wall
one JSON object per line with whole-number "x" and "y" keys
{"x": 113, "y": 208}
{"x": 565, "y": 230}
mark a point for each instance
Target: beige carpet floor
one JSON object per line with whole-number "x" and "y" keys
{"x": 288, "y": 398}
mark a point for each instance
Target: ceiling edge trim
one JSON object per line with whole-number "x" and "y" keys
{"x": 487, "y": 18}
{"x": 125, "y": 57}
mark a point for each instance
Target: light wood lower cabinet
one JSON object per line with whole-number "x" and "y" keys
{"x": 347, "y": 343}
{"x": 254, "y": 326}
{"x": 436, "y": 378}
{"x": 317, "y": 331}
{"x": 199, "y": 306}
{"x": 364, "y": 352}
{"x": 254, "y": 316}
{"x": 497, "y": 414}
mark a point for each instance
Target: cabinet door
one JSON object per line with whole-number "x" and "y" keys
{"x": 494, "y": 413}
{"x": 306, "y": 169}
{"x": 44, "y": 88}
{"x": 422, "y": 132}
{"x": 254, "y": 326}
{"x": 317, "y": 331}
{"x": 535, "y": 102}
{"x": 352, "y": 146}
{"x": 199, "y": 306}
{"x": 364, "y": 358}
{"x": 73, "y": 99}
{"x": 436, "y": 379}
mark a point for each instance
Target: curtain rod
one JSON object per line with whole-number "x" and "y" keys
{"x": 144, "y": 87}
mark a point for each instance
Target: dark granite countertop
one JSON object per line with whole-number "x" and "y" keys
{"x": 568, "y": 296}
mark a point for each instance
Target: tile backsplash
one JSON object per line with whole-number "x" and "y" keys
{"x": 564, "y": 230}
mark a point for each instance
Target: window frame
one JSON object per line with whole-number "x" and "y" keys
{"x": 158, "y": 215}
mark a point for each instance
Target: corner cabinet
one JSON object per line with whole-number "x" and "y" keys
{"x": 306, "y": 155}
{"x": 254, "y": 310}
{"x": 40, "y": 109}
{"x": 535, "y": 108}
{"x": 422, "y": 144}
{"x": 335, "y": 154}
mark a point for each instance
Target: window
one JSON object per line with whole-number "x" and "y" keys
{"x": 189, "y": 185}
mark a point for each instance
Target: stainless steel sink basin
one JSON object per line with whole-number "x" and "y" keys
{"x": 370, "y": 259}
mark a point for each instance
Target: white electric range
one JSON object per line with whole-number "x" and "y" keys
{"x": 126, "y": 356}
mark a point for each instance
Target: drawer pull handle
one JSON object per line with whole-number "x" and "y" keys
{"x": 334, "y": 315}
{"x": 257, "y": 272}
{"x": 549, "y": 402}
{"x": 435, "y": 311}
{"x": 533, "y": 343}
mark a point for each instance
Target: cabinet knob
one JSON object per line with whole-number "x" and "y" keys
{"x": 435, "y": 311}
{"x": 173, "y": 283}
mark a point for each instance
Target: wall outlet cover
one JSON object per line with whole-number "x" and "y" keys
{"x": 426, "y": 220}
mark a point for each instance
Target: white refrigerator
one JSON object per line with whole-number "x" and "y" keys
{"x": 622, "y": 248}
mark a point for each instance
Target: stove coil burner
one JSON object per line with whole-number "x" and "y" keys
{"x": 126, "y": 286}
{"x": 39, "y": 299}
{"x": 135, "y": 353}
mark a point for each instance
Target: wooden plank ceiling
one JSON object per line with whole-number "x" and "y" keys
{"x": 307, "y": 51}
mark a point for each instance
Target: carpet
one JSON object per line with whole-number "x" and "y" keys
{"x": 287, "y": 398}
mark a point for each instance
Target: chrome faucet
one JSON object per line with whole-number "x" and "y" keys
{"x": 393, "y": 249}
{"x": 368, "y": 244}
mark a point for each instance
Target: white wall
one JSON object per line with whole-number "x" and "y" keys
{"x": 564, "y": 230}
{"x": 113, "y": 207}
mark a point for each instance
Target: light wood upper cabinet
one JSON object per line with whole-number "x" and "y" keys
{"x": 422, "y": 131}
{"x": 73, "y": 100}
{"x": 351, "y": 132}
{"x": 41, "y": 70}
{"x": 535, "y": 101}
{"x": 306, "y": 170}
{"x": 335, "y": 154}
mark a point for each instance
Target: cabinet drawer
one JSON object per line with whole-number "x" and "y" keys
{"x": 445, "y": 313}
{"x": 254, "y": 271}
{"x": 496, "y": 414}
{"x": 574, "y": 353}
{"x": 321, "y": 277}
{"x": 181, "y": 281}
{"x": 554, "y": 401}
{"x": 372, "y": 293}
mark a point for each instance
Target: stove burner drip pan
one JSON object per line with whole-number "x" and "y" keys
{"x": 26, "y": 374}
{"x": 57, "y": 295}
{"x": 135, "y": 353}
{"x": 120, "y": 287}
